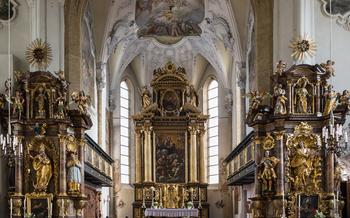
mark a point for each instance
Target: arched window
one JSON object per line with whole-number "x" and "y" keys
{"x": 124, "y": 132}
{"x": 213, "y": 132}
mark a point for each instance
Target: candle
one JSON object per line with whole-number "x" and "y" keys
{"x": 25, "y": 206}
{"x": 346, "y": 137}
{"x": 62, "y": 207}
{"x": 10, "y": 207}
{"x": 299, "y": 205}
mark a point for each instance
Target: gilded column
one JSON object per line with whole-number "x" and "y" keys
{"x": 203, "y": 158}
{"x": 193, "y": 154}
{"x": 318, "y": 96}
{"x": 138, "y": 156}
{"x": 147, "y": 154}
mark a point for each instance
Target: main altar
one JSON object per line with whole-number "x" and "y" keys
{"x": 170, "y": 152}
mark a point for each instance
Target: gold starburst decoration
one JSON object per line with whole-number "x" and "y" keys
{"x": 303, "y": 46}
{"x": 39, "y": 54}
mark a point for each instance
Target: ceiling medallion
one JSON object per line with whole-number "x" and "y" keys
{"x": 39, "y": 54}
{"x": 303, "y": 46}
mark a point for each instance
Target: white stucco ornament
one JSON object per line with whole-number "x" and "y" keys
{"x": 339, "y": 9}
{"x": 8, "y": 12}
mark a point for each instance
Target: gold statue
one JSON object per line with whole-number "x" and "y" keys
{"x": 74, "y": 173}
{"x": 40, "y": 99}
{"x": 256, "y": 99}
{"x": 82, "y": 100}
{"x": 331, "y": 100}
{"x": 42, "y": 166}
{"x": 280, "y": 106}
{"x": 146, "y": 97}
{"x": 302, "y": 162}
{"x": 280, "y": 67}
{"x": 328, "y": 67}
{"x": 301, "y": 95}
{"x": 268, "y": 175}
{"x": 193, "y": 96}
{"x": 18, "y": 102}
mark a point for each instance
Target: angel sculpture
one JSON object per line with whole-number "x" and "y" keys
{"x": 328, "y": 67}
{"x": 18, "y": 75}
{"x": 82, "y": 100}
{"x": 256, "y": 99}
{"x": 268, "y": 174}
{"x": 280, "y": 67}
{"x": 62, "y": 78}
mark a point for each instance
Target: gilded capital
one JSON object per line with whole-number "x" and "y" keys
{"x": 279, "y": 134}
{"x": 193, "y": 130}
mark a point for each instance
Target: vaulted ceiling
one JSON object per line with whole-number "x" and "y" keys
{"x": 220, "y": 44}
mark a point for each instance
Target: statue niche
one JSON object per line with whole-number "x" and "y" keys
{"x": 303, "y": 97}
{"x": 41, "y": 102}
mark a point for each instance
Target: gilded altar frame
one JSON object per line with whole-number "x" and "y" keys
{"x": 30, "y": 197}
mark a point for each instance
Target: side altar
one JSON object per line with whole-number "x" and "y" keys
{"x": 171, "y": 169}
{"x": 298, "y": 140}
{"x": 44, "y": 143}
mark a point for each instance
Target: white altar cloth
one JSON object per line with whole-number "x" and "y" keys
{"x": 167, "y": 212}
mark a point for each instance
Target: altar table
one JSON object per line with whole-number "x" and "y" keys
{"x": 167, "y": 212}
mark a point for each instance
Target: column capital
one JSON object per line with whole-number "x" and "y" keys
{"x": 193, "y": 130}
{"x": 279, "y": 134}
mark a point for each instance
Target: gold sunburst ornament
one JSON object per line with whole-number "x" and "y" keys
{"x": 39, "y": 54}
{"x": 302, "y": 47}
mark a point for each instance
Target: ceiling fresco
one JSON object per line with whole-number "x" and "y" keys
{"x": 172, "y": 19}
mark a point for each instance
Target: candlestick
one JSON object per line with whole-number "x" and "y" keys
{"x": 62, "y": 207}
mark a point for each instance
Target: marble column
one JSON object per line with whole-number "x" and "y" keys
{"x": 330, "y": 172}
{"x": 280, "y": 166}
{"x": 258, "y": 156}
{"x": 18, "y": 162}
{"x": 62, "y": 166}
{"x": 79, "y": 135}
{"x": 147, "y": 153}
{"x": 193, "y": 154}
{"x": 100, "y": 81}
{"x": 203, "y": 158}
{"x": 138, "y": 156}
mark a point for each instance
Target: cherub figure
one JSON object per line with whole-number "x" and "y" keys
{"x": 280, "y": 67}
{"x": 256, "y": 99}
{"x": 82, "y": 100}
{"x": 328, "y": 67}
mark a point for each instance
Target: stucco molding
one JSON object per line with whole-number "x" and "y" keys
{"x": 13, "y": 9}
{"x": 342, "y": 15}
